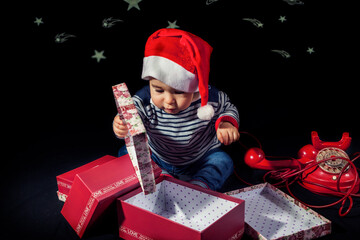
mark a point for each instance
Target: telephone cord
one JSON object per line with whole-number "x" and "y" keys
{"x": 284, "y": 175}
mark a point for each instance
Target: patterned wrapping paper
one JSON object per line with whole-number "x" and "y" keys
{"x": 309, "y": 224}
{"x": 136, "y": 140}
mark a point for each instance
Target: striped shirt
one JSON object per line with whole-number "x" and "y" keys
{"x": 183, "y": 138}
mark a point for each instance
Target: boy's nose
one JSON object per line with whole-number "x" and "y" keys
{"x": 169, "y": 99}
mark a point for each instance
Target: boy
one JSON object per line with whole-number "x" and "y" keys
{"x": 186, "y": 120}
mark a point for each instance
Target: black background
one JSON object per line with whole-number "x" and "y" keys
{"x": 59, "y": 105}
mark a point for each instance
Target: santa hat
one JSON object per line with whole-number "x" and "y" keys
{"x": 181, "y": 60}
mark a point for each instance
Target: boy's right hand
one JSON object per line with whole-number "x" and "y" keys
{"x": 119, "y": 127}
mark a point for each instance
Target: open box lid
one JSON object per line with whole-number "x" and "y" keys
{"x": 136, "y": 141}
{"x": 65, "y": 180}
{"x": 272, "y": 214}
{"x": 95, "y": 189}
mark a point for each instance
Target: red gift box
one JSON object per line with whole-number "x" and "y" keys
{"x": 179, "y": 210}
{"x": 95, "y": 189}
{"x": 65, "y": 180}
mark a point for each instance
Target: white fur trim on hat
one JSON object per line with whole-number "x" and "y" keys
{"x": 205, "y": 112}
{"x": 170, "y": 73}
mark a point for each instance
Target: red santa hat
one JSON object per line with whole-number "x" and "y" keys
{"x": 181, "y": 60}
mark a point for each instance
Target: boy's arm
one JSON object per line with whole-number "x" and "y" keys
{"x": 142, "y": 101}
{"x": 139, "y": 104}
{"x": 227, "y": 124}
{"x": 229, "y": 112}
{"x": 119, "y": 127}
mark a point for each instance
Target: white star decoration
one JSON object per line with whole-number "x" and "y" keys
{"x": 282, "y": 19}
{"x": 133, "y": 3}
{"x": 38, "y": 21}
{"x": 172, "y": 24}
{"x": 98, "y": 55}
{"x": 310, "y": 50}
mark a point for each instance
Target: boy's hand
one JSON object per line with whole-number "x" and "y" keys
{"x": 227, "y": 133}
{"x": 119, "y": 127}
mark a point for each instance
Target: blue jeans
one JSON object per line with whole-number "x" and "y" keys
{"x": 211, "y": 171}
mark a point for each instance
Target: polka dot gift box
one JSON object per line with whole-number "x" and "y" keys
{"x": 272, "y": 214}
{"x": 179, "y": 210}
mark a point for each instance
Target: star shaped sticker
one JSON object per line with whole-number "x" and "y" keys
{"x": 282, "y": 19}
{"x": 310, "y": 50}
{"x": 98, "y": 55}
{"x": 38, "y": 21}
{"x": 133, "y": 3}
{"x": 172, "y": 24}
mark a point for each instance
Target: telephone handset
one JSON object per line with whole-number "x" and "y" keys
{"x": 325, "y": 165}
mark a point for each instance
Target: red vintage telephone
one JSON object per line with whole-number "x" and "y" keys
{"x": 323, "y": 167}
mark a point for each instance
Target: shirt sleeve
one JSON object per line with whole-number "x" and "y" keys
{"x": 139, "y": 104}
{"x": 229, "y": 112}
{"x": 142, "y": 102}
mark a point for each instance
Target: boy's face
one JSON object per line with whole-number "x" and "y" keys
{"x": 169, "y": 99}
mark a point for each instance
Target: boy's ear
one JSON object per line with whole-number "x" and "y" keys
{"x": 196, "y": 96}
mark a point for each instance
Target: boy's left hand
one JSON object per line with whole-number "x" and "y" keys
{"x": 227, "y": 133}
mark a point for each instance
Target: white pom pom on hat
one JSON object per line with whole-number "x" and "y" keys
{"x": 205, "y": 112}
{"x": 181, "y": 60}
